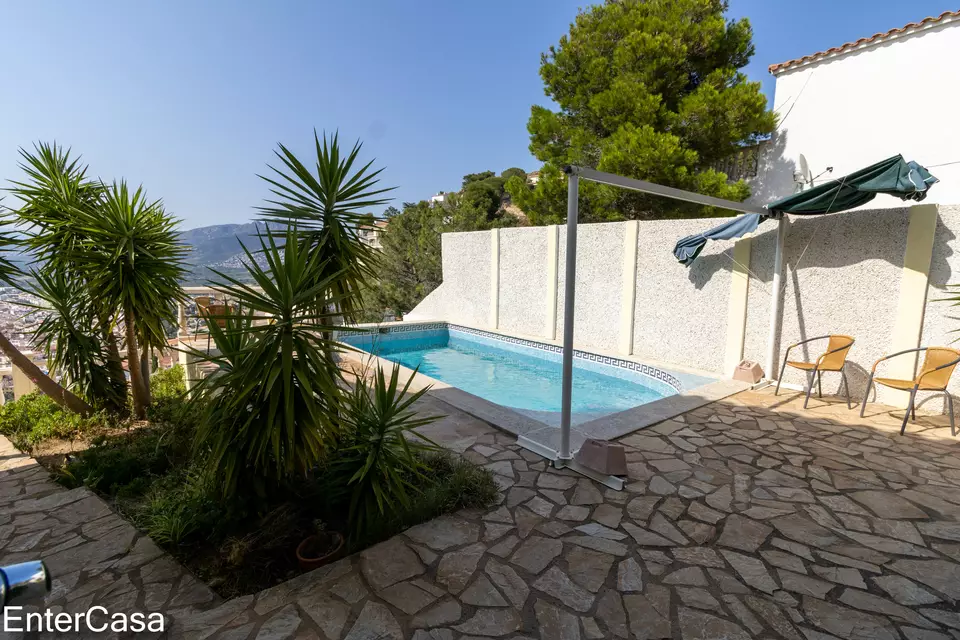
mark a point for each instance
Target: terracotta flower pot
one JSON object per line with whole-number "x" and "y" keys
{"x": 318, "y": 550}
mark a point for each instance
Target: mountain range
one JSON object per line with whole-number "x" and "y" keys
{"x": 218, "y": 246}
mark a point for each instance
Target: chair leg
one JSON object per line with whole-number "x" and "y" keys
{"x": 820, "y": 384}
{"x": 906, "y": 416}
{"x": 953, "y": 428}
{"x": 914, "y": 413}
{"x": 846, "y": 387}
{"x": 866, "y": 396}
{"x": 810, "y": 380}
{"x": 782, "y": 369}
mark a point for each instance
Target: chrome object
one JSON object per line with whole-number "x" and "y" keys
{"x": 23, "y": 582}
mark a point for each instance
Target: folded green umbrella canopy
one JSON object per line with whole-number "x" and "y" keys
{"x": 893, "y": 176}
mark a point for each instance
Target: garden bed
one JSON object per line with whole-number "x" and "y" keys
{"x": 148, "y": 473}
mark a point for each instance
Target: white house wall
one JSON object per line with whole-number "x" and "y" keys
{"x": 851, "y": 110}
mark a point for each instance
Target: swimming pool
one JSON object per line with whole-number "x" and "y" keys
{"x": 522, "y": 375}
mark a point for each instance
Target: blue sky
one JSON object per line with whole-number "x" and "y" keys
{"x": 190, "y": 98}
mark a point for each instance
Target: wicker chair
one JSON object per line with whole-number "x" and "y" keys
{"x": 938, "y": 366}
{"x": 833, "y": 359}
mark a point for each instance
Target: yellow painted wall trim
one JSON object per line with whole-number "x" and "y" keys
{"x": 494, "y": 278}
{"x": 22, "y": 384}
{"x": 553, "y": 244}
{"x": 628, "y": 291}
{"x": 913, "y": 293}
{"x": 737, "y": 306}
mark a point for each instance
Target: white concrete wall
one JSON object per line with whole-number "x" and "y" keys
{"x": 599, "y": 281}
{"x": 854, "y": 109}
{"x": 523, "y": 264}
{"x": 466, "y": 278}
{"x": 680, "y": 314}
{"x": 842, "y": 274}
{"x": 942, "y": 320}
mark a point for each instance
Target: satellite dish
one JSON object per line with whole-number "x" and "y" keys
{"x": 804, "y": 167}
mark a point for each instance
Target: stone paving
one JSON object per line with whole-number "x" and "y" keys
{"x": 95, "y": 556}
{"x": 749, "y": 517}
{"x": 746, "y": 518}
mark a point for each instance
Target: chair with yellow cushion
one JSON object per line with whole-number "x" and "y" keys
{"x": 833, "y": 359}
{"x": 938, "y": 366}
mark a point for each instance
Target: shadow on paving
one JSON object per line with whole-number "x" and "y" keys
{"x": 748, "y": 517}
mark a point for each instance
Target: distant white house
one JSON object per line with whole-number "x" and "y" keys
{"x": 863, "y": 101}
{"x": 440, "y": 198}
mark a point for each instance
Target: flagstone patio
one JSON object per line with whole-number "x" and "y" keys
{"x": 94, "y": 555}
{"x": 749, "y": 517}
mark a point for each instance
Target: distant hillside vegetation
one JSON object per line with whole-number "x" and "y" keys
{"x": 218, "y": 246}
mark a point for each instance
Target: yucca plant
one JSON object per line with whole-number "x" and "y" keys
{"x": 105, "y": 253}
{"x": 271, "y": 409}
{"x": 66, "y": 333}
{"x": 130, "y": 256}
{"x": 379, "y": 455}
{"x": 327, "y": 209}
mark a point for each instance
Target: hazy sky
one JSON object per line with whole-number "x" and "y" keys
{"x": 190, "y": 98}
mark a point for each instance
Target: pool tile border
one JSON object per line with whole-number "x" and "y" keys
{"x": 646, "y": 370}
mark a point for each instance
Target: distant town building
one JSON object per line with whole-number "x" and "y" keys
{"x": 533, "y": 177}
{"x": 370, "y": 234}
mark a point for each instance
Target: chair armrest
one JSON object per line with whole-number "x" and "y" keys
{"x": 894, "y": 355}
{"x": 797, "y": 344}
{"x": 943, "y": 366}
{"x": 786, "y": 355}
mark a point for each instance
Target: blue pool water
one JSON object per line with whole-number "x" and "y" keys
{"x": 508, "y": 377}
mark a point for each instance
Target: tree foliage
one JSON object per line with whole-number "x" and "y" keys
{"x": 410, "y": 265}
{"x": 649, "y": 89}
{"x": 104, "y": 254}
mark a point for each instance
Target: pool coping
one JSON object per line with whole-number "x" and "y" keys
{"x": 608, "y": 427}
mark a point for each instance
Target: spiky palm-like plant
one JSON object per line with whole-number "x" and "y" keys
{"x": 73, "y": 349}
{"x": 10, "y": 276}
{"x": 327, "y": 208}
{"x": 130, "y": 255}
{"x": 271, "y": 408}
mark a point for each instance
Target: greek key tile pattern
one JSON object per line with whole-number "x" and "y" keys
{"x": 637, "y": 367}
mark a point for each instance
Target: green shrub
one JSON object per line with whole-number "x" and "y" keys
{"x": 444, "y": 484}
{"x": 168, "y": 388}
{"x": 179, "y": 506}
{"x": 377, "y": 461}
{"x": 168, "y": 384}
{"x": 35, "y": 418}
{"x": 127, "y": 465}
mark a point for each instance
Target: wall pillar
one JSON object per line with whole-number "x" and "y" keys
{"x": 494, "y": 278}
{"x": 908, "y": 325}
{"x": 628, "y": 292}
{"x": 553, "y": 256}
{"x": 737, "y": 307}
{"x": 22, "y": 384}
